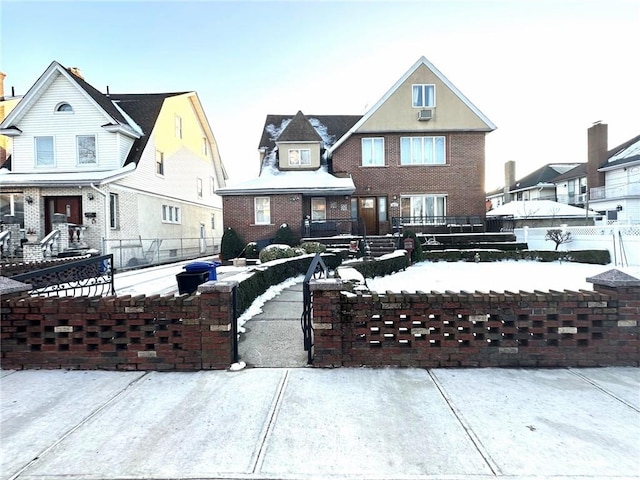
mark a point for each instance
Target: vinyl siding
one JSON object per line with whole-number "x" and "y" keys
{"x": 42, "y": 120}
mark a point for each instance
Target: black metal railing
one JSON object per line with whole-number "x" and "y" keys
{"x": 88, "y": 277}
{"x": 451, "y": 224}
{"x": 331, "y": 227}
{"x": 317, "y": 269}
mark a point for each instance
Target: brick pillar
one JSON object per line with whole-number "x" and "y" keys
{"x": 625, "y": 293}
{"x": 328, "y": 321}
{"x": 216, "y": 310}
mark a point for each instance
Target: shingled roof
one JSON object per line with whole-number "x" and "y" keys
{"x": 543, "y": 175}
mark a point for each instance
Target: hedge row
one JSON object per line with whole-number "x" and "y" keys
{"x": 381, "y": 266}
{"x": 597, "y": 257}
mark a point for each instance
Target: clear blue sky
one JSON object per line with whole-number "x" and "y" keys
{"x": 542, "y": 70}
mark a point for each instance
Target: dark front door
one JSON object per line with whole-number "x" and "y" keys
{"x": 368, "y": 211}
{"x": 71, "y": 207}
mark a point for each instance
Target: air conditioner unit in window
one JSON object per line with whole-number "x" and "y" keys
{"x": 425, "y": 114}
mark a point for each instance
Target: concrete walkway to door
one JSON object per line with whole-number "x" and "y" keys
{"x": 274, "y": 337}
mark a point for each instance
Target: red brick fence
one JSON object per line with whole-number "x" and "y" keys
{"x": 526, "y": 329}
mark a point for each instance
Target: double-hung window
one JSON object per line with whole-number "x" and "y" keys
{"x": 318, "y": 208}
{"x": 422, "y": 151}
{"x": 373, "y": 152}
{"x": 423, "y": 209}
{"x": 299, "y": 156}
{"x": 159, "y": 163}
{"x": 199, "y": 187}
{"x": 44, "y": 151}
{"x": 423, "y": 96}
{"x": 262, "y": 210}
{"x": 86, "y": 145}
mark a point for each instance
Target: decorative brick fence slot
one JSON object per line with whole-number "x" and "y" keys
{"x": 525, "y": 329}
{"x": 120, "y": 333}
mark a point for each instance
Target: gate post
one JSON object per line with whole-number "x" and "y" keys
{"x": 328, "y": 322}
{"x": 218, "y": 312}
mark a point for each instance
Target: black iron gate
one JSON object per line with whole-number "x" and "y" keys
{"x": 317, "y": 269}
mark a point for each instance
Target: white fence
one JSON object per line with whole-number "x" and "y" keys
{"x": 622, "y": 241}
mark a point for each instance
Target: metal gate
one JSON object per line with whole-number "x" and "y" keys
{"x": 317, "y": 269}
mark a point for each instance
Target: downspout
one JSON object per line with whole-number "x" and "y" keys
{"x": 106, "y": 214}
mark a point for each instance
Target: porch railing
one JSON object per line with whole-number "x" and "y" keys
{"x": 331, "y": 227}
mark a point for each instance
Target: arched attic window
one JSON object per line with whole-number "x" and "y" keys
{"x": 64, "y": 107}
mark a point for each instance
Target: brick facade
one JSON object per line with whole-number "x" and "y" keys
{"x": 552, "y": 329}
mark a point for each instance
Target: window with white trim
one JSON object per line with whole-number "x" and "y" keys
{"x": 170, "y": 214}
{"x": 178, "y": 126}
{"x": 423, "y": 208}
{"x": 199, "y": 187}
{"x": 423, "y": 96}
{"x": 44, "y": 151}
{"x": 422, "y": 151}
{"x": 64, "y": 107}
{"x": 318, "y": 208}
{"x": 114, "y": 211}
{"x": 86, "y": 149}
{"x": 262, "y": 210}
{"x": 299, "y": 156}
{"x": 159, "y": 163}
{"x": 373, "y": 152}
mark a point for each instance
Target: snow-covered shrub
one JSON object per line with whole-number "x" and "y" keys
{"x": 313, "y": 247}
{"x": 276, "y": 251}
{"x": 285, "y": 235}
{"x": 251, "y": 250}
{"x": 231, "y": 245}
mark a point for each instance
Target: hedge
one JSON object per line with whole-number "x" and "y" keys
{"x": 382, "y": 266}
{"x": 597, "y": 257}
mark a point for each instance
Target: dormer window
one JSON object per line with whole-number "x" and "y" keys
{"x": 299, "y": 156}
{"x": 423, "y": 96}
{"x": 64, "y": 108}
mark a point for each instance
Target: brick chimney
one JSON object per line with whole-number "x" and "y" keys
{"x": 597, "y": 140}
{"x": 509, "y": 179}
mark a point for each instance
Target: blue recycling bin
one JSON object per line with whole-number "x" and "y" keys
{"x": 200, "y": 267}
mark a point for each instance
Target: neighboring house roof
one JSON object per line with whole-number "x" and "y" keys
{"x": 539, "y": 209}
{"x": 577, "y": 172}
{"x": 623, "y": 155}
{"x": 299, "y": 127}
{"x": 421, "y": 61}
{"x": 542, "y": 177}
{"x": 328, "y": 127}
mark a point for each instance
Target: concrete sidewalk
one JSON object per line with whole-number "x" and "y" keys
{"x": 310, "y": 423}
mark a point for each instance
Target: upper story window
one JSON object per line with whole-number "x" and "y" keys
{"x": 159, "y": 163}
{"x": 423, "y": 96}
{"x": 373, "y": 152}
{"x": 178, "y": 126}
{"x": 422, "y": 151}
{"x": 44, "y": 151}
{"x": 299, "y": 156}
{"x": 86, "y": 145}
{"x": 262, "y": 210}
{"x": 212, "y": 185}
{"x": 199, "y": 187}
{"x": 64, "y": 107}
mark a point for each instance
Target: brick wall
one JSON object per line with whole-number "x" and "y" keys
{"x": 120, "y": 333}
{"x": 555, "y": 329}
{"x": 462, "y": 178}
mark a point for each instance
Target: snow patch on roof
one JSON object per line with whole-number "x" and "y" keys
{"x": 630, "y": 151}
{"x": 323, "y": 132}
{"x": 274, "y": 131}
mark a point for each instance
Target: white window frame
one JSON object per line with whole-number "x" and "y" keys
{"x": 94, "y": 160}
{"x": 159, "y": 163}
{"x": 303, "y": 156}
{"x": 428, "y": 208}
{"x": 318, "y": 209}
{"x": 199, "y": 188}
{"x": 417, "y": 148}
{"x": 369, "y": 158}
{"x": 262, "y": 213}
{"x": 114, "y": 211}
{"x": 61, "y": 108}
{"x": 178, "y": 126}
{"x": 36, "y": 151}
{"x": 420, "y": 95}
{"x": 171, "y": 214}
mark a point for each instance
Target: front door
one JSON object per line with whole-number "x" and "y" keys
{"x": 368, "y": 211}
{"x": 69, "y": 206}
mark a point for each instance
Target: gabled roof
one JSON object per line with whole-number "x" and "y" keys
{"x": 628, "y": 152}
{"x": 299, "y": 130}
{"x": 328, "y": 127}
{"x": 544, "y": 176}
{"x": 421, "y": 61}
{"x": 577, "y": 172}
